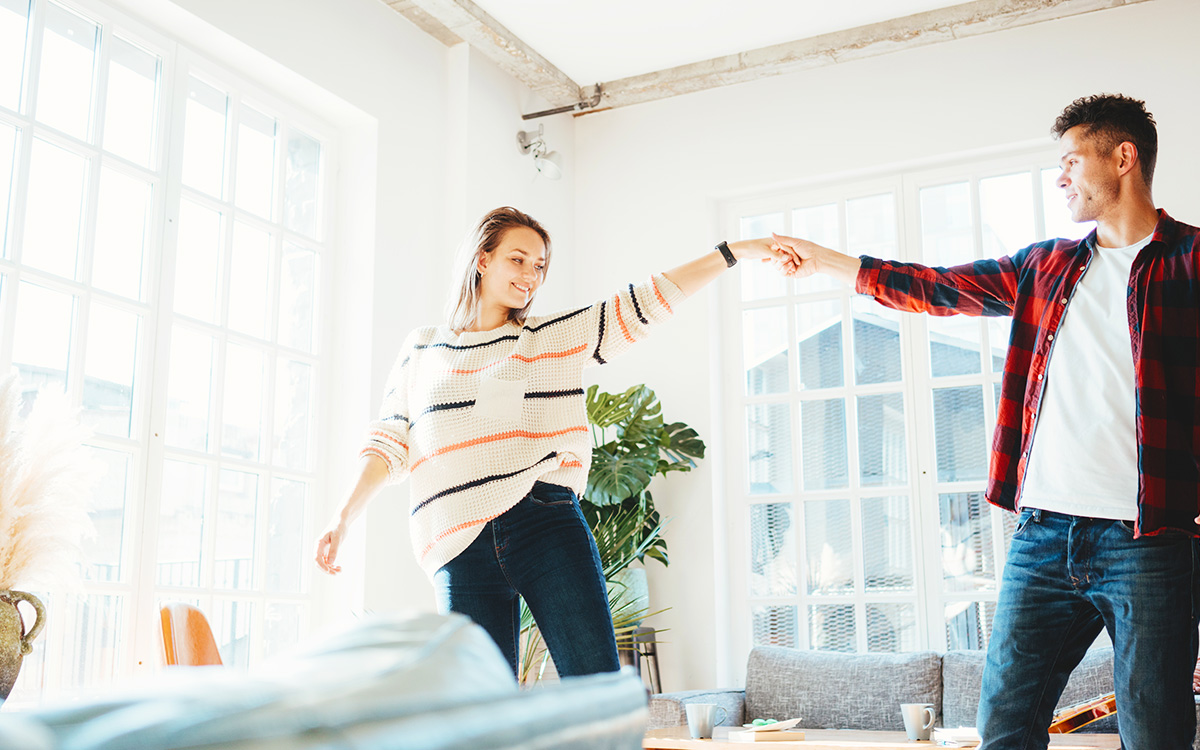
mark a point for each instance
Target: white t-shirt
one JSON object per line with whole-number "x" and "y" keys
{"x": 1083, "y": 460}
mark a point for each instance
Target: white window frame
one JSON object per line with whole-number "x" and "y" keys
{"x": 917, "y": 382}
{"x": 139, "y": 642}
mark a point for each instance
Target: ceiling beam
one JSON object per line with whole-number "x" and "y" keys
{"x": 464, "y": 20}
{"x": 955, "y": 22}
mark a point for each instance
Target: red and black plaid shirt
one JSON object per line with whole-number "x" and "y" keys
{"x": 1034, "y": 286}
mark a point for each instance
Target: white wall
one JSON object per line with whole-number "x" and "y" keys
{"x": 650, "y": 178}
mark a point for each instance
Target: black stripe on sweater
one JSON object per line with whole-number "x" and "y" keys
{"x": 478, "y": 482}
{"x": 636, "y": 307}
{"x": 441, "y": 407}
{"x": 559, "y": 319}
{"x": 600, "y": 338}
{"x": 464, "y": 347}
{"x": 396, "y": 418}
{"x": 554, "y": 394}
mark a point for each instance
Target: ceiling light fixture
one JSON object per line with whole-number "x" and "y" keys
{"x": 547, "y": 162}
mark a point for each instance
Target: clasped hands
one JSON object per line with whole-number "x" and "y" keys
{"x": 791, "y": 256}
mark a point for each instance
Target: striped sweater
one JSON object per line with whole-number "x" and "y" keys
{"x": 477, "y": 417}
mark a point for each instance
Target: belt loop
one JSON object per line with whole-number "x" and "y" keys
{"x": 1037, "y": 515}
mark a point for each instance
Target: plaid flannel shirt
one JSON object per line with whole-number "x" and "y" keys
{"x": 1035, "y": 286}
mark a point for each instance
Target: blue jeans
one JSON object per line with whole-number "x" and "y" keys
{"x": 540, "y": 549}
{"x": 1066, "y": 578}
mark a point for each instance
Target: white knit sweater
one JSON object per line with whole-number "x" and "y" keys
{"x": 477, "y": 417}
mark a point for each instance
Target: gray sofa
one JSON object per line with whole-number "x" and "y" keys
{"x": 863, "y": 691}
{"x": 425, "y": 683}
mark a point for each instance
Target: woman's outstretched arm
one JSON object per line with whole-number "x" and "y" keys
{"x": 696, "y": 274}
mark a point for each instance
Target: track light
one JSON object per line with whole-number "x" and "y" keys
{"x": 547, "y": 162}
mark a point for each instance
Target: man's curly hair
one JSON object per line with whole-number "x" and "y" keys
{"x": 1110, "y": 120}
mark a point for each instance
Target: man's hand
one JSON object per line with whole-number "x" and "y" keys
{"x": 803, "y": 258}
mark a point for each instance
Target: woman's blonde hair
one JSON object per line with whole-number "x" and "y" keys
{"x": 462, "y": 306}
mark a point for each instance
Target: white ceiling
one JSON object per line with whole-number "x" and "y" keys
{"x": 595, "y": 41}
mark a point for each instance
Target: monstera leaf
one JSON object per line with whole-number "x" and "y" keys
{"x": 617, "y": 474}
{"x": 680, "y": 444}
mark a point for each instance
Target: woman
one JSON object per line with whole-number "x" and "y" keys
{"x": 487, "y": 416}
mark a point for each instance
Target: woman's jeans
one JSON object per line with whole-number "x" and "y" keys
{"x": 1066, "y": 578}
{"x": 542, "y": 550}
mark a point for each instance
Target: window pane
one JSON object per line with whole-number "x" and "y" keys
{"x": 286, "y": 537}
{"x": 64, "y": 94}
{"x": 772, "y": 550}
{"x": 954, "y": 345}
{"x": 53, "y": 209}
{"x": 93, "y": 645}
{"x": 759, "y": 282}
{"x": 959, "y": 434}
{"x": 14, "y": 19}
{"x": 769, "y": 446}
{"x": 255, "y": 173}
{"x": 293, "y": 404}
{"x": 946, "y": 225}
{"x": 237, "y": 508}
{"x": 891, "y": 628}
{"x": 131, "y": 108}
{"x": 282, "y": 626}
{"x": 297, "y": 297}
{"x": 871, "y": 226}
{"x": 102, "y": 551}
{"x": 823, "y": 446}
{"x": 764, "y": 350}
{"x": 122, "y": 226}
{"x": 876, "y": 342}
{"x": 231, "y": 628}
{"x": 181, "y": 523}
{"x": 817, "y": 224}
{"x": 204, "y": 138}
{"x": 887, "y": 544}
{"x": 1058, "y": 216}
{"x": 1006, "y": 211}
{"x": 109, "y": 366}
{"x": 8, "y": 156}
{"x": 819, "y": 331}
{"x": 249, "y": 280}
{"x": 828, "y": 546}
{"x": 188, "y": 389}
{"x": 831, "y": 627}
{"x": 242, "y": 426}
{"x": 197, "y": 263}
{"x": 302, "y": 191}
{"x": 968, "y": 625}
{"x": 999, "y": 329}
{"x": 775, "y": 626}
{"x": 969, "y": 560}
{"x": 881, "y": 442}
{"x": 42, "y": 340}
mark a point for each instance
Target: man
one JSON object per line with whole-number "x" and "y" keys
{"x": 1097, "y": 439}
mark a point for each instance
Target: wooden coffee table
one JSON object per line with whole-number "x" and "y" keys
{"x": 678, "y": 738}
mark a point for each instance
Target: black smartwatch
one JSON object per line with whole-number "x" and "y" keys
{"x": 730, "y": 261}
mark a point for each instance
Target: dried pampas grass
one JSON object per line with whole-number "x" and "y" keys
{"x": 46, "y": 478}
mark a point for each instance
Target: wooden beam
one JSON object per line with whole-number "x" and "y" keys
{"x": 425, "y": 22}
{"x": 467, "y": 21}
{"x": 955, "y": 22}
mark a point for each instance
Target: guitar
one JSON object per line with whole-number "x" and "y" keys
{"x": 1072, "y": 718}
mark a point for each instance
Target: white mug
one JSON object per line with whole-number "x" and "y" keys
{"x": 702, "y": 717}
{"x": 918, "y": 720}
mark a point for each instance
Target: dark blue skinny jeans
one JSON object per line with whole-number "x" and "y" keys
{"x": 1066, "y": 578}
{"x": 540, "y": 549}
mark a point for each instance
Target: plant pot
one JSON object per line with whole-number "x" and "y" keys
{"x": 15, "y": 642}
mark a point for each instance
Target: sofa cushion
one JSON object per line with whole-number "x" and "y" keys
{"x": 837, "y": 690}
{"x": 962, "y": 674}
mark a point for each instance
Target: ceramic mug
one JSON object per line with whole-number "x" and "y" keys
{"x": 702, "y": 717}
{"x": 918, "y": 720}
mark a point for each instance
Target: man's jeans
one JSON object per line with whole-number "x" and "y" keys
{"x": 540, "y": 548}
{"x": 1066, "y": 578}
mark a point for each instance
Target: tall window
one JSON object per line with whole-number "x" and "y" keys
{"x": 164, "y": 245}
{"x": 857, "y": 516}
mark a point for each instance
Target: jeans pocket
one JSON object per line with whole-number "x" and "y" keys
{"x": 551, "y": 495}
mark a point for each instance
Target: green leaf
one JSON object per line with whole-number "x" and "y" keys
{"x": 615, "y": 476}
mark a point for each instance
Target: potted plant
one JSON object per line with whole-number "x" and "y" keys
{"x": 631, "y": 444}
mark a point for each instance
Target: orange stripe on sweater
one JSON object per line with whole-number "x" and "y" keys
{"x": 373, "y": 451}
{"x": 389, "y": 438}
{"x": 493, "y": 438}
{"x": 658, "y": 294}
{"x": 453, "y": 530}
{"x": 523, "y": 358}
{"x": 621, "y": 318}
{"x": 571, "y": 465}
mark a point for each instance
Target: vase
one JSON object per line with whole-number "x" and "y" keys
{"x": 15, "y": 642}
{"x": 631, "y": 588}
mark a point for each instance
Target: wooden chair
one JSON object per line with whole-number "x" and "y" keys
{"x": 186, "y": 637}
